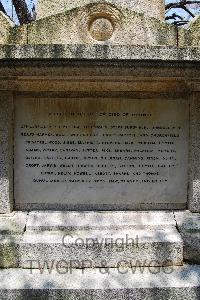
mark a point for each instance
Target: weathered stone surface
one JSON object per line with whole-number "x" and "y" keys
{"x": 41, "y": 221}
{"x": 94, "y": 247}
{"x": 188, "y": 221}
{"x": 126, "y": 28}
{"x": 194, "y": 172}
{"x": 152, "y": 8}
{"x": 6, "y": 153}
{"x": 13, "y": 223}
{"x": 9, "y": 250}
{"x": 191, "y": 35}
{"x": 5, "y": 24}
{"x": 18, "y": 35}
{"x": 93, "y": 237}
{"x": 152, "y": 284}
{"x": 99, "y": 52}
{"x": 90, "y": 238}
{"x": 12, "y": 226}
{"x": 188, "y": 225}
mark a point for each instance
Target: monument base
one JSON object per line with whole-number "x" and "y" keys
{"x": 79, "y": 255}
{"x": 183, "y": 283}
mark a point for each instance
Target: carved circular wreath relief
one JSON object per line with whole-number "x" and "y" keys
{"x": 101, "y": 29}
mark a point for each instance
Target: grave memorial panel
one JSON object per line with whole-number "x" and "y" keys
{"x": 107, "y": 152}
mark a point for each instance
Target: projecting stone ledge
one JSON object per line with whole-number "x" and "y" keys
{"x": 188, "y": 225}
{"x": 92, "y": 284}
{"x": 148, "y": 237}
{"x": 59, "y": 220}
{"x": 99, "y": 52}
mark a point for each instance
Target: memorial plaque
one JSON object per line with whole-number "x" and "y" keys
{"x": 103, "y": 152}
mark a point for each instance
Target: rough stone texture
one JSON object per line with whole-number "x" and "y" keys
{"x": 152, "y": 8}
{"x": 105, "y": 236}
{"x": 98, "y": 220}
{"x": 147, "y": 238}
{"x": 182, "y": 283}
{"x": 124, "y": 23}
{"x": 13, "y": 223}
{"x": 121, "y": 26}
{"x": 155, "y": 246}
{"x": 99, "y": 52}
{"x": 9, "y": 250}
{"x": 74, "y": 24}
{"x": 5, "y": 24}
{"x": 96, "y": 207}
{"x": 18, "y": 35}
{"x": 194, "y": 174}
{"x": 191, "y": 35}
{"x": 12, "y": 227}
{"x": 188, "y": 225}
{"x": 101, "y": 29}
{"x": 6, "y": 153}
{"x": 73, "y": 27}
{"x": 143, "y": 79}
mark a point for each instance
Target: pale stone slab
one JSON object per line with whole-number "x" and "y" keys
{"x": 181, "y": 283}
{"x": 95, "y": 248}
{"x": 188, "y": 221}
{"x": 98, "y": 220}
{"x": 100, "y": 52}
{"x": 13, "y": 223}
{"x": 103, "y": 152}
{"x": 188, "y": 225}
{"x": 6, "y": 153}
{"x": 194, "y": 178}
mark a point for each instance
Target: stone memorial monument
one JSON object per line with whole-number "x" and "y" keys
{"x": 99, "y": 153}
